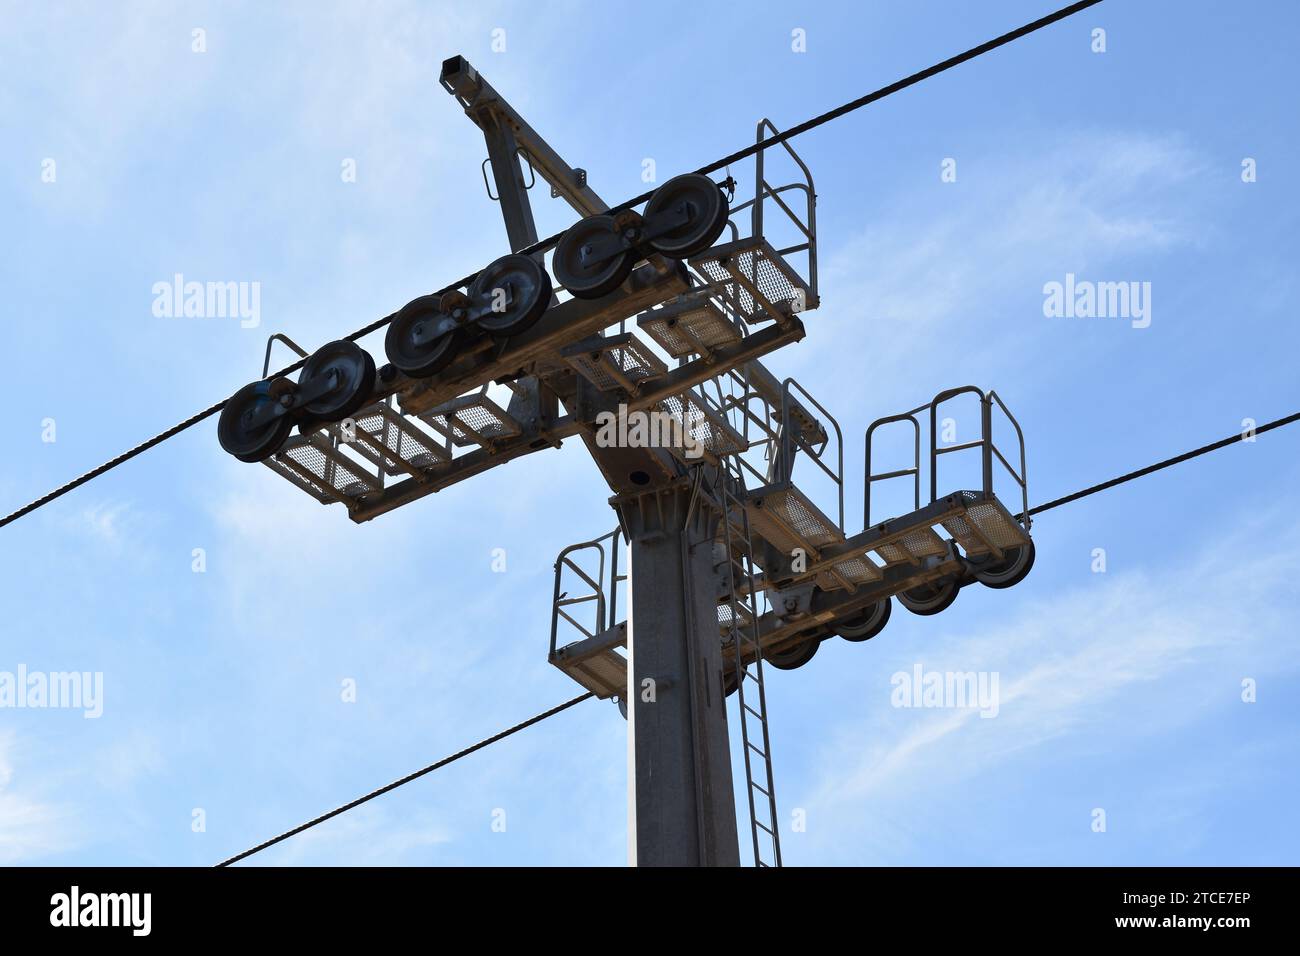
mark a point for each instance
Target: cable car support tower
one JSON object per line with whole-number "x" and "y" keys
{"x": 657, "y": 318}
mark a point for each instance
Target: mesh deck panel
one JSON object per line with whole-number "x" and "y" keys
{"x": 800, "y": 516}
{"x": 912, "y": 546}
{"x": 322, "y": 470}
{"x": 398, "y": 435}
{"x": 693, "y": 413}
{"x": 629, "y": 357}
{"x": 759, "y": 266}
{"x": 681, "y": 331}
{"x": 858, "y": 570}
{"x": 990, "y": 518}
{"x": 605, "y": 674}
{"x": 464, "y": 418}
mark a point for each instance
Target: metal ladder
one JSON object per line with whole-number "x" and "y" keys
{"x": 742, "y": 637}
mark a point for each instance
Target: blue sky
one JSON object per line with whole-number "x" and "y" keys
{"x": 1119, "y": 690}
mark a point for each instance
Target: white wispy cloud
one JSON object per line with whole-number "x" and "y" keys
{"x": 32, "y": 826}
{"x": 945, "y": 260}
{"x": 372, "y": 835}
{"x": 1127, "y": 656}
{"x": 104, "y": 521}
{"x": 129, "y": 758}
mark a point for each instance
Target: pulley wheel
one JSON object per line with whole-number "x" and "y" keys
{"x": 700, "y": 200}
{"x": 422, "y": 359}
{"x": 235, "y": 431}
{"x": 927, "y": 599}
{"x": 354, "y": 380}
{"x": 578, "y": 260}
{"x": 790, "y": 658}
{"x": 523, "y": 281}
{"x": 867, "y": 623}
{"x": 1008, "y": 572}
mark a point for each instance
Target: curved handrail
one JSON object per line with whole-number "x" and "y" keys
{"x": 986, "y": 457}
{"x": 914, "y": 471}
{"x": 1023, "y": 477}
{"x": 597, "y": 585}
{"x": 762, "y": 190}
{"x": 988, "y": 449}
{"x": 787, "y": 436}
{"x": 766, "y": 123}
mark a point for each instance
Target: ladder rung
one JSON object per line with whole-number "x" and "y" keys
{"x": 759, "y": 789}
{"x": 761, "y": 826}
{"x": 754, "y": 712}
{"x": 757, "y": 751}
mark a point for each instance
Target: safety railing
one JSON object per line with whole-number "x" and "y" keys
{"x": 779, "y": 425}
{"x": 988, "y": 450}
{"x": 914, "y": 472}
{"x": 764, "y": 191}
{"x": 603, "y": 592}
{"x": 811, "y": 438}
{"x": 753, "y": 417}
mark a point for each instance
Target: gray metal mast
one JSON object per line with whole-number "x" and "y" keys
{"x": 682, "y": 810}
